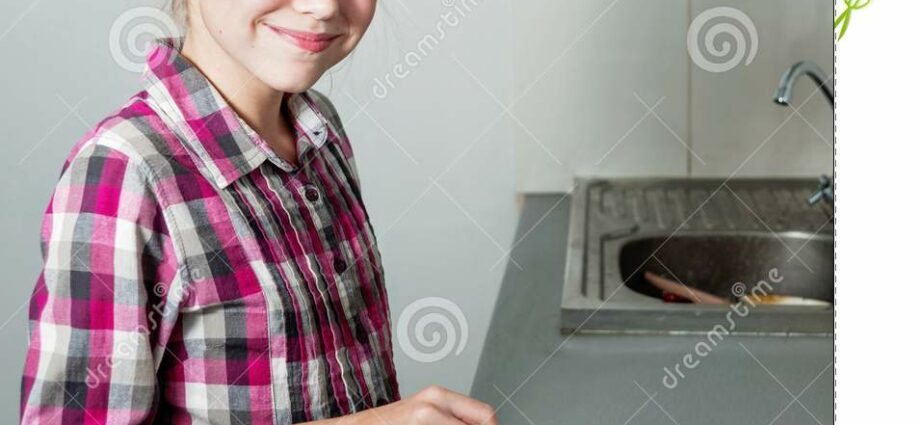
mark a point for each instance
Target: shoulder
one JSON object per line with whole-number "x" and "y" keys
{"x": 134, "y": 134}
{"x": 137, "y": 131}
{"x": 130, "y": 156}
{"x": 105, "y": 166}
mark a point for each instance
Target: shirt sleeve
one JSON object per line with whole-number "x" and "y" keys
{"x": 93, "y": 316}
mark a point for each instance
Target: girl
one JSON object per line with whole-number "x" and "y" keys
{"x": 207, "y": 255}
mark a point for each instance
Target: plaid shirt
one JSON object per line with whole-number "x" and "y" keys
{"x": 191, "y": 275}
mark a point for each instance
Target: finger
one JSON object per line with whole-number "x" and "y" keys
{"x": 469, "y": 410}
{"x": 436, "y": 416}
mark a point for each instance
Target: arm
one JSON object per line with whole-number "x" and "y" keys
{"x": 92, "y": 327}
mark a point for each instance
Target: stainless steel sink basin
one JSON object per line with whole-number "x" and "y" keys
{"x": 715, "y": 263}
{"x": 723, "y": 237}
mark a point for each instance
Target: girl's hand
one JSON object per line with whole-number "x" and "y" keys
{"x": 431, "y": 406}
{"x": 436, "y": 405}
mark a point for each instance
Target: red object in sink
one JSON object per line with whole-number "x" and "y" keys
{"x": 670, "y": 297}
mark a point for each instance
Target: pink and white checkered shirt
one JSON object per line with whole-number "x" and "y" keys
{"x": 193, "y": 276}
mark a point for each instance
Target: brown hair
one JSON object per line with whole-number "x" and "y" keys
{"x": 179, "y": 11}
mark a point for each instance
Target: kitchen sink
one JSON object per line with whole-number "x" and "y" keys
{"x": 730, "y": 238}
{"x": 715, "y": 263}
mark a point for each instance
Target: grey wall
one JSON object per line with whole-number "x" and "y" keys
{"x": 437, "y": 174}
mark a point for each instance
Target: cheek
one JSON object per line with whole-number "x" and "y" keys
{"x": 235, "y": 20}
{"x": 258, "y": 8}
{"x": 358, "y": 13}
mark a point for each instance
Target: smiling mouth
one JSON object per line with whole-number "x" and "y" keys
{"x": 305, "y": 40}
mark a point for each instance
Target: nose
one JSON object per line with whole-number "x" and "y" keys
{"x": 320, "y": 9}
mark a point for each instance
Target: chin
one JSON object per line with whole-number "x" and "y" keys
{"x": 288, "y": 80}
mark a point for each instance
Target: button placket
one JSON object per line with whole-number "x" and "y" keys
{"x": 345, "y": 263}
{"x": 339, "y": 265}
{"x": 310, "y": 192}
{"x": 313, "y": 195}
{"x": 302, "y": 185}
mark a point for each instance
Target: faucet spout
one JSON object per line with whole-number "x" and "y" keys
{"x": 787, "y": 82}
{"x": 825, "y": 192}
{"x": 783, "y": 97}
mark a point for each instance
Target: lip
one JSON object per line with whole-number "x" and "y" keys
{"x": 305, "y": 40}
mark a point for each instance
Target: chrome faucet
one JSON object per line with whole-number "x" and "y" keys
{"x": 787, "y": 82}
{"x": 783, "y": 96}
{"x": 824, "y": 193}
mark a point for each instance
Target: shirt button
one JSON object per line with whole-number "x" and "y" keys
{"x": 312, "y": 193}
{"x": 339, "y": 266}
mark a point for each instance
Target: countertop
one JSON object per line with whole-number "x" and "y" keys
{"x": 536, "y": 375}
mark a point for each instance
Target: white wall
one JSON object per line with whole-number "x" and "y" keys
{"x": 580, "y": 110}
{"x": 736, "y": 128}
{"x": 586, "y": 108}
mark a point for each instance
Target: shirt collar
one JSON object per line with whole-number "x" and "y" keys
{"x": 227, "y": 148}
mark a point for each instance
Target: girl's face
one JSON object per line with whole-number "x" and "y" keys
{"x": 288, "y": 44}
